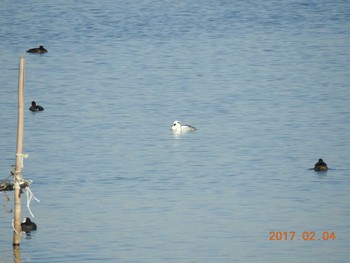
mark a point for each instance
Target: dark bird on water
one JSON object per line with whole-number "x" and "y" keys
{"x": 39, "y": 50}
{"x": 35, "y": 107}
{"x": 28, "y": 225}
{"x": 320, "y": 166}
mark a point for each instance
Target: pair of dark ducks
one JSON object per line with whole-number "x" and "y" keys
{"x": 38, "y": 50}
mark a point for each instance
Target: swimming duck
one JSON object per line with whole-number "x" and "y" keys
{"x": 320, "y": 166}
{"x": 178, "y": 127}
{"x": 40, "y": 49}
{"x": 35, "y": 107}
{"x": 28, "y": 225}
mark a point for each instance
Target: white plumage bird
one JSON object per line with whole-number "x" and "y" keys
{"x": 178, "y": 128}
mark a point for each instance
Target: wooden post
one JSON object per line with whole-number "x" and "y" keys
{"x": 17, "y": 254}
{"x": 19, "y": 157}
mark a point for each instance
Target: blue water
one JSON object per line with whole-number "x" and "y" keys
{"x": 266, "y": 83}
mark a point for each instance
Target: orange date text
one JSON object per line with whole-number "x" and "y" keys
{"x": 306, "y": 235}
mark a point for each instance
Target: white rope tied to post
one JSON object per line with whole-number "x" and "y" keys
{"x": 13, "y": 225}
{"x": 16, "y": 183}
{"x": 25, "y": 155}
{"x": 30, "y": 195}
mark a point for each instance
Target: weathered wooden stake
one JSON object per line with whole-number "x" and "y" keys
{"x": 17, "y": 254}
{"x": 19, "y": 157}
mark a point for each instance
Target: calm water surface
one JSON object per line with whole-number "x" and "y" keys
{"x": 267, "y": 86}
